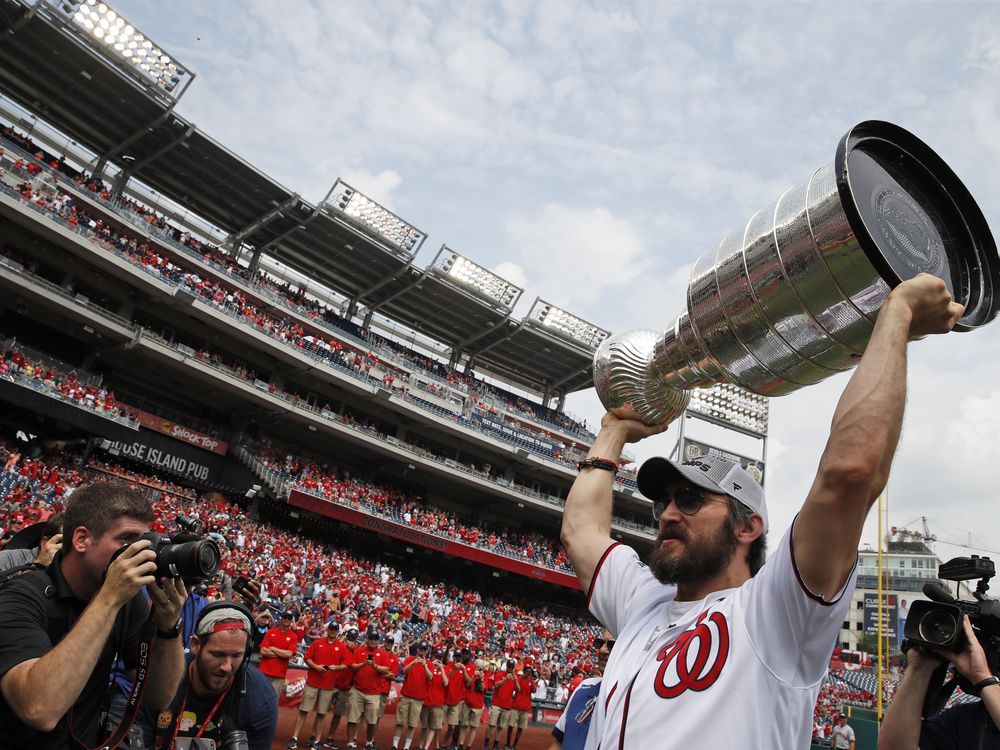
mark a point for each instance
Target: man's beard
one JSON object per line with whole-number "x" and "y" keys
{"x": 700, "y": 561}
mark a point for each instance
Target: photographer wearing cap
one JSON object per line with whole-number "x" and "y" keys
{"x": 712, "y": 642}
{"x": 219, "y": 694}
{"x": 971, "y": 726}
{"x": 61, "y": 627}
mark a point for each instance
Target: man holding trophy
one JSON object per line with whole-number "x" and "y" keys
{"x": 714, "y": 646}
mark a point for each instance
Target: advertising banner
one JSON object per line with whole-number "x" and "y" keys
{"x": 168, "y": 455}
{"x": 179, "y": 432}
{"x": 695, "y": 448}
{"x": 357, "y": 517}
{"x": 890, "y": 615}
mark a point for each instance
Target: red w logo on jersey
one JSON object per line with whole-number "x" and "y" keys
{"x": 685, "y": 662}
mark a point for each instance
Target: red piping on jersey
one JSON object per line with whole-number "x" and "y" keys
{"x": 593, "y": 579}
{"x": 608, "y": 699}
{"x": 628, "y": 699}
{"x": 802, "y": 584}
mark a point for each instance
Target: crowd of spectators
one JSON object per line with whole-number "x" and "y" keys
{"x": 394, "y": 504}
{"x": 488, "y": 395}
{"x": 19, "y": 367}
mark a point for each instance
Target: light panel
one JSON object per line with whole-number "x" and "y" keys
{"x": 378, "y": 219}
{"x": 463, "y": 271}
{"x": 113, "y": 35}
{"x": 560, "y": 321}
{"x": 731, "y": 405}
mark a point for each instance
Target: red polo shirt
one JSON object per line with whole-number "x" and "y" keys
{"x": 324, "y": 653}
{"x": 276, "y": 666}
{"x": 455, "y": 692}
{"x": 503, "y": 693}
{"x": 415, "y": 681}
{"x": 522, "y": 696}
{"x": 435, "y": 687}
{"x": 367, "y": 679}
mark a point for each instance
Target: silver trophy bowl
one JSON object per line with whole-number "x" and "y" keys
{"x": 791, "y": 298}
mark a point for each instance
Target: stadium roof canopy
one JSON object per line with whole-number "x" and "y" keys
{"x": 347, "y": 242}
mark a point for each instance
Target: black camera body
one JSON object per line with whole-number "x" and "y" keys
{"x": 184, "y": 557}
{"x": 938, "y": 623}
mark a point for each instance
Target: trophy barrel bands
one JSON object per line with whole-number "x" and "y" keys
{"x": 622, "y": 376}
{"x": 793, "y": 297}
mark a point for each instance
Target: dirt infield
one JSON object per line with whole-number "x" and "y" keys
{"x": 534, "y": 738}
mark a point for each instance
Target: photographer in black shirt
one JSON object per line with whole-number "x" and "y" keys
{"x": 966, "y": 726}
{"x": 62, "y": 627}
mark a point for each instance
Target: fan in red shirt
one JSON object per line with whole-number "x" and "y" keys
{"x": 475, "y": 693}
{"x": 454, "y": 697}
{"x": 432, "y": 714}
{"x": 525, "y": 685}
{"x": 370, "y": 664}
{"x": 389, "y": 646}
{"x": 342, "y": 683}
{"x": 412, "y": 695}
{"x": 279, "y": 645}
{"x": 324, "y": 658}
{"x": 502, "y": 708}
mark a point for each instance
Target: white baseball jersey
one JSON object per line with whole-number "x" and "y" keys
{"x": 741, "y": 667}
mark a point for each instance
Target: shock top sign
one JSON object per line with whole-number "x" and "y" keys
{"x": 179, "y": 432}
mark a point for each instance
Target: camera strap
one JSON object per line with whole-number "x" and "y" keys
{"x": 144, "y": 657}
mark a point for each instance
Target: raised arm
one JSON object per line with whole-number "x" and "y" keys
{"x": 586, "y": 524}
{"x": 855, "y": 464}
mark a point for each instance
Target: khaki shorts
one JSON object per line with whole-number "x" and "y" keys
{"x": 408, "y": 712}
{"x": 362, "y": 705}
{"x": 278, "y": 683}
{"x": 453, "y": 714}
{"x": 496, "y": 715}
{"x": 432, "y": 717}
{"x": 340, "y": 701}
{"x": 519, "y": 718}
{"x": 471, "y": 717}
{"x": 314, "y": 697}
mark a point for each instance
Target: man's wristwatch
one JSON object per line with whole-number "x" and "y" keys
{"x": 991, "y": 680}
{"x": 169, "y": 635}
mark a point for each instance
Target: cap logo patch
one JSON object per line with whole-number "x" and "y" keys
{"x": 736, "y": 486}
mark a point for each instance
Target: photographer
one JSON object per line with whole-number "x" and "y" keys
{"x": 42, "y": 555}
{"x": 218, "y": 694}
{"x": 63, "y": 625}
{"x": 966, "y": 726}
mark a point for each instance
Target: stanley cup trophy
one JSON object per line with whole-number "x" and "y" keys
{"x": 791, "y": 298}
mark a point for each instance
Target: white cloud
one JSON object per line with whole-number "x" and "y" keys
{"x": 576, "y": 256}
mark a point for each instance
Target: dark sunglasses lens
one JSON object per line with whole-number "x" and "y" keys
{"x": 689, "y": 500}
{"x": 600, "y": 643}
{"x": 658, "y": 507}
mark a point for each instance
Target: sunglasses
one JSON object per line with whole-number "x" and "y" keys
{"x": 688, "y": 499}
{"x": 600, "y": 643}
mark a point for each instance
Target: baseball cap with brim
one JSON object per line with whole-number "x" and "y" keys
{"x": 287, "y": 616}
{"x": 711, "y": 472}
{"x": 332, "y": 625}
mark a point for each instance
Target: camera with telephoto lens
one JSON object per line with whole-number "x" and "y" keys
{"x": 180, "y": 556}
{"x": 938, "y": 623}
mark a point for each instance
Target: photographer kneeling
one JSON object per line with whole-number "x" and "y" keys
{"x": 220, "y": 701}
{"x": 62, "y": 627}
{"x": 965, "y": 726}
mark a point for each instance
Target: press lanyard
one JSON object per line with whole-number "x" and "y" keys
{"x": 180, "y": 711}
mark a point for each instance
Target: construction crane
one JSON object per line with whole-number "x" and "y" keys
{"x": 906, "y": 533}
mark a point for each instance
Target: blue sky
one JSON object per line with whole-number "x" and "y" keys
{"x": 590, "y": 152}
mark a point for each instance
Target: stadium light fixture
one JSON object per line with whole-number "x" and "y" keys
{"x": 459, "y": 269}
{"x": 559, "y": 321}
{"x": 731, "y": 405}
{"x": 111, "y": 34}
{"x": 380, "y": 220}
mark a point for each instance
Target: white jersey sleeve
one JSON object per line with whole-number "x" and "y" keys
{"x": 793, "y": 629}
{"x": 621, "y": 584}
